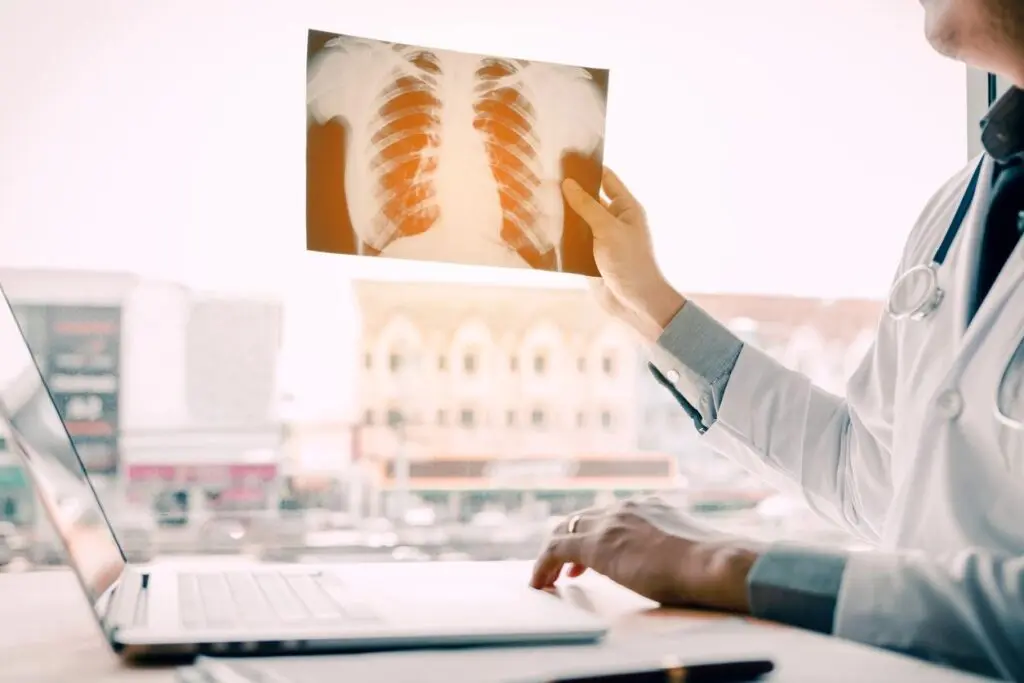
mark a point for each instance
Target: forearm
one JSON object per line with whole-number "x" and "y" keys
{"x": 965, "y": 609}
{"x": 776, "y": 423}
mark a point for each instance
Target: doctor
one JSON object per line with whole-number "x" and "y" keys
{"x": 925, "y": 456}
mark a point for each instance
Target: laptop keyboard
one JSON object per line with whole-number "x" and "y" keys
{"x": 264, "y": 598}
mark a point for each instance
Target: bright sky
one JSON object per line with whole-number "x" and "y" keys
{"x": 779, "y": 146}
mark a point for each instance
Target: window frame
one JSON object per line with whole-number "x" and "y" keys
{"x": 983, "y": 89}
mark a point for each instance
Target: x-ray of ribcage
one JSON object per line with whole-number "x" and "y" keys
{"x": 455, "y": 157}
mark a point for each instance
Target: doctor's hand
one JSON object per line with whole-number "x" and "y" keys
{"x": 632, "y": 287}
{"x": 653, "y": 549}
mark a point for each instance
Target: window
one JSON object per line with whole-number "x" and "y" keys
{"x": 539, "y": 350}
{"x": 469, "y": 363}
{"x": 467, "y": 418}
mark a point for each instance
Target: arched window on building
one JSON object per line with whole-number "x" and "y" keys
{"x": 472, "y": 347}
{"x": 610, "y": 351}
{"x": 400, "y": 343}
{"x": 542, "y": 349}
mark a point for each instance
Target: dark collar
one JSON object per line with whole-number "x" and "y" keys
{"x": 1002, "y": 129}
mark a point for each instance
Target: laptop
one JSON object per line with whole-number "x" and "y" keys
{"x": 181, "y": 607}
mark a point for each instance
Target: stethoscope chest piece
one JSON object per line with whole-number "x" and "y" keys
{"x": 915, "y": 294}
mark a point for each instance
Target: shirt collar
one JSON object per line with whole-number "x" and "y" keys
{"x": 1002, "y": 129}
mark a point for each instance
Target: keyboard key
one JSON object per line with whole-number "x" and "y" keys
{"x": 281, "y": 598}
{"x": 190, "y": 607}
{"x": 352, "y": 607}
{"x": 217, "y": 600}
{"x": 249, "y": 600}
{"x": 317, "y": 602}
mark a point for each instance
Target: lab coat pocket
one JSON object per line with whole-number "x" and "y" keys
{"x": 1010, "y": 413}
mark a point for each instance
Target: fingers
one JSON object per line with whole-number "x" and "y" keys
{"x": 615, "y": 188}
{"x": 575, "y": 570}
{"x": 560, "y": 551}
{"x": 589, "y": 209}
{"x": 565, "y": 548}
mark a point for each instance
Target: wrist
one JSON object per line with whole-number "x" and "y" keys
{"x": 726, "y": 569}
{"x": 663, "y": 304}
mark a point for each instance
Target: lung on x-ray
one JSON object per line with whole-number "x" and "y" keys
{"x": 437, "y": 155}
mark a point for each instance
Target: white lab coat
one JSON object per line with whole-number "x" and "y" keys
{"x": 913, "y": 459}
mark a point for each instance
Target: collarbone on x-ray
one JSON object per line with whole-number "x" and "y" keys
{"x": 455, "y": 157}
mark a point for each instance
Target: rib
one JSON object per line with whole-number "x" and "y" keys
{"x": 506, "y": 119}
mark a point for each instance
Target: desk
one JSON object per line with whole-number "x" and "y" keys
{"x": 47, "y": 635}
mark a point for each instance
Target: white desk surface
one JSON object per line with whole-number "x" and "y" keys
{"x": 47, "y": 634}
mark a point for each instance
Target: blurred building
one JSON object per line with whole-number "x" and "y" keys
{"x": 318, "y": 391}
{"x": 168, "y": 393}
{"x": 504, "y": 396}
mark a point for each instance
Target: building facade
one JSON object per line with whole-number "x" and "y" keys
{"x": 487, "y": 394}
{"x": 168, "y": 393}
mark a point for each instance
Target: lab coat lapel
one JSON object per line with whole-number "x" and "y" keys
{"x": 968, "y": 257}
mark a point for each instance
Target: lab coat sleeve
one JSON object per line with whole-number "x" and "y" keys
{"x": 693, "y": 359}
{"x": 806, "y": 442}
{"x": 965, "y": 609}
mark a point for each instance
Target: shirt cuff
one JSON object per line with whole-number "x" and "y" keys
{"x": 797, "y": 586}
{"x": 694, "y": 357}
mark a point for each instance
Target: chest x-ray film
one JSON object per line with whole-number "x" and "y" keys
{"x": 436, "y": 155}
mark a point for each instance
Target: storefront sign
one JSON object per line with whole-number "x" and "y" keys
{"x": 205, "y": 475}
{"x": 542, "y": 472}
{"x": 82, "y": 366}
{"x": 524, "y": 472}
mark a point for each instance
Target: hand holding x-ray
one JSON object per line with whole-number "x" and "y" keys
{"x": 632, "y": 287}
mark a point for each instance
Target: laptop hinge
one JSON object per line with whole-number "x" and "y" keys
{"x": 129, "y": 603}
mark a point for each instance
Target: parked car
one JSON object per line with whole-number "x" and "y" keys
{"x": 12, "y": 543}
{"x": 223, "y": 535}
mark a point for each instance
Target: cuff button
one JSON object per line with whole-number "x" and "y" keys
{"x": 672, "y": 376}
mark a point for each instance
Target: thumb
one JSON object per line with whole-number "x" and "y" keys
{"x": 588, "y": 208}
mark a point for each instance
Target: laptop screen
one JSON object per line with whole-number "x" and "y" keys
{"x": 36, "y": 433}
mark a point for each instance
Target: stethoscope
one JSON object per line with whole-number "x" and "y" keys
{"x": 916, "y": 294}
